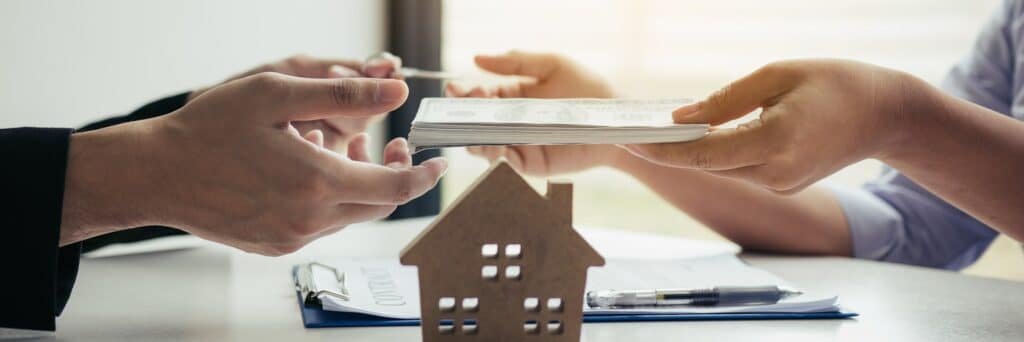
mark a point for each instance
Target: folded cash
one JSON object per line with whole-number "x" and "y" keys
{"x": 447, "y": 122}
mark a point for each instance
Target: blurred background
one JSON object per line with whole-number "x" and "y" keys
{"x": 66, "y": 63}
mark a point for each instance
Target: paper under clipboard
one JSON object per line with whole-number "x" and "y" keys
{"x": 362, "y": 292}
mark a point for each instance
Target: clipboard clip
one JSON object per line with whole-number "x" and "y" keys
{"x": 304, "y": 283}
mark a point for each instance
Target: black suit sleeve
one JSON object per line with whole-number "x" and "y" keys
{"x": 150, "y": 110}
{"x": 38, "y": 274}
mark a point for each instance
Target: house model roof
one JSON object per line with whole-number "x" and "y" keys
{"x": 501, "y": 206}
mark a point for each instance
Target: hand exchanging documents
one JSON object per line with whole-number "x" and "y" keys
{"x": 818, "y": 116}
{"x": 556, "y": 77}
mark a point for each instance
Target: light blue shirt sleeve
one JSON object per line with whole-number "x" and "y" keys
{"x": 894, "y": 219}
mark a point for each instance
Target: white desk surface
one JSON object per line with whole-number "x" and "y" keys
{"x": 215, "y": 293}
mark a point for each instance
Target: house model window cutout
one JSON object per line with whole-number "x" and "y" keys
{"x": 503, "y": 263}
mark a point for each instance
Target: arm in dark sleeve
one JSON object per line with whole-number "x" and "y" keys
{"x": 150, "y": 110}
{"x": 38, "y": 273}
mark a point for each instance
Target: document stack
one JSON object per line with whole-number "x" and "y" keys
{"x": 448, "y": 122}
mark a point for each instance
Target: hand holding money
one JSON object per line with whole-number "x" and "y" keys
{"x": 556, "y": 77}
{"x": 553, "y": 76}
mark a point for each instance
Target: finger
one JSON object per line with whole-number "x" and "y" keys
{"x": 491, "y": 153}
{"x": 337, "y": 71}
{"x": 475, "y": 150}
{"x": 516, "y": 157}
{"x": 722, "y": 149}
{"x": 316, "y": 137}
{"x": 367, "y": 183}
{"x": 477, "y": 92}
{"x": 735, "y": 100}
{"x": 488, "y": 152}
{"x": 303, "y": 127}
{"x": 382, "y": 65}
{"x": 510, "y": 90}
{"x": 539, "y": 65}
{"x": 304, "y": 99}
{"x": 357, "y": 148}
{"x": 396, "y": 154}
{"x": 454, "y": 89}
{"x": 313, "y": 67}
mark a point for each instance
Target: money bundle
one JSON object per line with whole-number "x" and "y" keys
{"x": 447, "y": 122}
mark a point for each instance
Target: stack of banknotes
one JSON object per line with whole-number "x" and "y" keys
{"x": 448, "y": 122}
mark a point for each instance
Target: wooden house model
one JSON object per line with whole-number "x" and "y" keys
{"x": 503, "y": 263}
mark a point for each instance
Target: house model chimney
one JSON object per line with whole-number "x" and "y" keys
{"x": 560, "y": 196}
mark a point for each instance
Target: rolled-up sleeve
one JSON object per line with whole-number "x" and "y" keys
{"x": 896, "y": 220}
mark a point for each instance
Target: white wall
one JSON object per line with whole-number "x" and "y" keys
{"x": 64, "y": 63}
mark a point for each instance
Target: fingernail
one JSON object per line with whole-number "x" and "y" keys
{"x": 686, "y": 111}
{"x": 375, "y": 71}
{"x": 390, "y": 91}
{"x": 335, "y": 71}
{"x": 456, "y": 88}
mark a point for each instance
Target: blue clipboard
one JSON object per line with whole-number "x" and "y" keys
{"x": 315, "y": 317}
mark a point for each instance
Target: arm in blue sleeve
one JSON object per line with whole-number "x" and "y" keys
{"x": 896, "y": 220}
{"x": 986, "y": 75}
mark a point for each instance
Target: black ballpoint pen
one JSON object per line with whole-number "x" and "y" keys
{"x": 719, "y": 295}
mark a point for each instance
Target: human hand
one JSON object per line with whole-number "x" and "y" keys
{"x": 555, "y": 77}
{"x": 337, "y": 131}
{"x": 817, "y": 117}
{"x": 229, "y": 167}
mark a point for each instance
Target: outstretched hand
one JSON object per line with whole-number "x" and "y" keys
{"x": 817, "y": 117}
{"x": 231, "y": 167}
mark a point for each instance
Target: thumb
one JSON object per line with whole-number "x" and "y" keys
{"x": 735, "y": 100}
{"x": 538, "y": 65}
{"x": 305, "y": 99}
